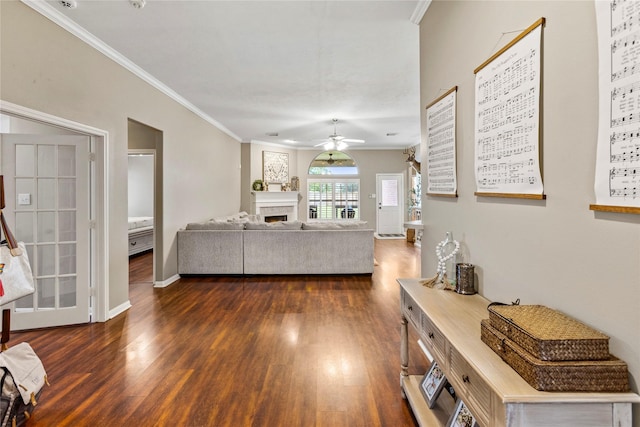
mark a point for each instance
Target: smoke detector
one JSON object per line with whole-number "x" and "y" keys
{"x": 138, "y": 4}
{"x": 69, "y": 4}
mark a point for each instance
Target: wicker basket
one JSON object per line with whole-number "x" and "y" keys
{"x": 547, "y": 334}
{"x": 609, "y": 375}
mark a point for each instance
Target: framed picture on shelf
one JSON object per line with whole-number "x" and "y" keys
{"x": 462, "y": 417}
{"x": 432, "y": 384}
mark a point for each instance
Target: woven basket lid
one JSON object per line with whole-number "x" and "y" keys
{"x": 546, "y": 323}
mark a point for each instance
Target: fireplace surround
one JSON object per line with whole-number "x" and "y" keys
{"x": 275, "y": 204}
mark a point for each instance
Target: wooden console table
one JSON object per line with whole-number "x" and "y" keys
{"x": 449, "y": 326}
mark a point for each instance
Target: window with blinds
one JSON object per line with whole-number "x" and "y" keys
{"x": 333, "y": 199}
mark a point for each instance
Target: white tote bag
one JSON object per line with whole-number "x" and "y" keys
{"x": 16, "y": 279}
{"x": 26, "y": 369}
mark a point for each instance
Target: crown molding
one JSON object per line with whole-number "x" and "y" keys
{"x": 419, "y": 11}
{"x": 48, "y": 11}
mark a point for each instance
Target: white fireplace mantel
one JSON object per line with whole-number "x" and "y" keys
{"x": 275, "y": 203}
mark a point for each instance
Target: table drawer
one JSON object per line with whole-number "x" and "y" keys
{"x": 411, "y": 310}
{"x": 433, "y": 339}
{"x": 470, "y": 386}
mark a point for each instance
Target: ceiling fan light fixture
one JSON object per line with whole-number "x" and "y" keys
{"x": 341, "y": 146}
{"x": 329, "y": 145}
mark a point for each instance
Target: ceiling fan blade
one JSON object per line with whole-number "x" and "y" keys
{"x": 358, "y": 141}
{"x": 322, "y": 143}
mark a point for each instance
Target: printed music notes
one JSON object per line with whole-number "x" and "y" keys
{"x": 441, "y": 145}
{"x": 507, "y": 117}
{"x": 618, "y": 152}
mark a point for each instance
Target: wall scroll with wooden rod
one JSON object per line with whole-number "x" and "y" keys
{"x": 441, "y": 146}
{"x": 617, "y": 174}
{"x": 507, "y": 119}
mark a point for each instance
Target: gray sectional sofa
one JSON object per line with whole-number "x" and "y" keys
{"x": 236, "y": 247}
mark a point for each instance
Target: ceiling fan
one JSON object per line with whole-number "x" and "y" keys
{"x": 337, "y": 141}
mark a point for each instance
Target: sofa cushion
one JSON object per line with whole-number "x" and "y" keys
{"x": 280, "y": 225}
{"x": 334, "y": 225}
{"x": 215, "y": 225}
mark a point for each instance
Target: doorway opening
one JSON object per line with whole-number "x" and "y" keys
{"x": 141, "y": 190}
{"x": 145, "y": 195}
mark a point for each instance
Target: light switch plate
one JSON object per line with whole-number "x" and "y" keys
{"x": 24, "y": 199}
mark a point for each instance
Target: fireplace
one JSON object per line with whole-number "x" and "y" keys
{"x": 275, "y": 205}
{"x": 275, "y": 218}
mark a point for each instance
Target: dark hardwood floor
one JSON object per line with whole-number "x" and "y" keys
{"x": 237, "y": 351}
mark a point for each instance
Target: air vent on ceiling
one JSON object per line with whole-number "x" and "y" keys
{"x": 138, "y": 4}
{"x": 272, "y": 133}
{"x": 69, "y": 4}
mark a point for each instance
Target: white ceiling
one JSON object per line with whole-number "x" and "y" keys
{"x": 261, "y": 67}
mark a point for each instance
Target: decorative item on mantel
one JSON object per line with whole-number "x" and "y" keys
{"x": 257, "y": 185}
{"x": 447, "y": 251}
{"x": 295, "y": 183}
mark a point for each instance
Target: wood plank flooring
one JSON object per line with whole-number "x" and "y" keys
{"x": 237, "y": 351}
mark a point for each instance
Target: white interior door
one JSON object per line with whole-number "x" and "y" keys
{"x": 46, "y": 181}
{"x": 389, "y": 188}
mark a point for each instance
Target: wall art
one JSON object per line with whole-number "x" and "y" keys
{"x": 275, "y": 167}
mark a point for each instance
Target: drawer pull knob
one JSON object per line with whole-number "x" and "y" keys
{"x": 465, "y": 378}
{"x": 431, "y": 335}
{"x": 133, "y": 243}
{"x": 410, "y": 308}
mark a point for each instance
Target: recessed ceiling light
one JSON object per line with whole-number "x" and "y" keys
{"x": 69, "y": 4}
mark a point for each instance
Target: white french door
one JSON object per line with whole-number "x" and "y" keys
{"x": 46, "y": 181}
{"x": 390, "y": 203}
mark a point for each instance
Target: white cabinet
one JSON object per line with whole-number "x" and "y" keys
{"x": 140, "y": 241}
{"x": 449, "y": 326}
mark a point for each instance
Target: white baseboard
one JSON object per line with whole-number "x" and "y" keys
{"x": 165, "y": 283}
{"x": 119, "y": 309}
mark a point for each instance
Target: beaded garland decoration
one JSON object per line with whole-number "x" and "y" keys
{"x": 442, "y": 259}
{"x": 440, "y": 280}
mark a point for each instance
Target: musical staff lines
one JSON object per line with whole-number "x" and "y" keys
{"x": 441, "y": 145}
{"x": 618, "y": 166}
{"x": 506, "y": 120}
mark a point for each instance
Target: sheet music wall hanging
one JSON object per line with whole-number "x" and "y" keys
{"x": 617, "y": 177}
{"x": 507, "y": 118}
{"x": 441, "y": 145}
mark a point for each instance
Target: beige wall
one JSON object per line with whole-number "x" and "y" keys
{"x": 47, "y": 69}
{"x": 370, "y": 162}
{"x": 555, "y": 252}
